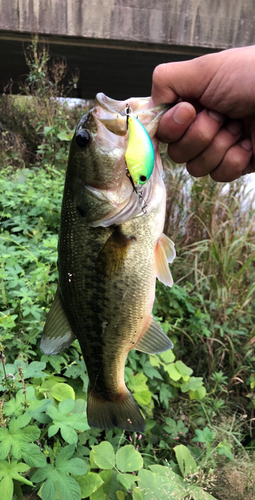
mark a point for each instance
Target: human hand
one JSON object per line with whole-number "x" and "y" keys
{"x": 212, "y": 126}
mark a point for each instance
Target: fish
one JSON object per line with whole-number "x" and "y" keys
{"x": 111, "y": 249}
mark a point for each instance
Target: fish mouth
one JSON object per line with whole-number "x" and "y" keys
{"x": 113, "y": 114}
{"x": 108, "y": 124}
{"x": 112, "y": 105}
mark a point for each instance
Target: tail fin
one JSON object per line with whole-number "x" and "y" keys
{"x": 105, "y": 414}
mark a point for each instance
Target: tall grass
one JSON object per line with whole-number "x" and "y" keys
{"x": 213, "y": 226}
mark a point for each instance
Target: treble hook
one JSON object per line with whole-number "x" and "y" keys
{"x": 138, "y": 188}
{"x": 128, "y": 110}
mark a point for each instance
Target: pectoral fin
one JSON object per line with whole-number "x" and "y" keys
{"x": 154, "y": 340}
{"x": 165, "y": 253}
{"x": 57, "y": 333}
{"x": 111, "y": 258}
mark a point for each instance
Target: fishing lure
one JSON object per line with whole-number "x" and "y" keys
{"x": 139, "y": 155}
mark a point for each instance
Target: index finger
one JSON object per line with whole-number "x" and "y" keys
{"x": 185, "y": 79}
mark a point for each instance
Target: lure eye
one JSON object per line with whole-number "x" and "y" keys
{"x": 142, "y": 179}
{"x": 82, "y": 138}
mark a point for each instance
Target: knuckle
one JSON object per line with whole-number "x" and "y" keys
{"x": 158, "y": 72}
{"x": 176, "y": 155}
{"x": 235, "y": 160}
{"x": 194, "y": 169}
{"x": 205, "y": 136}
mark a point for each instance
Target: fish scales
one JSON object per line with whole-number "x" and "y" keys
{"x": 108, "y": 299}
{"x": 110, "y": 252}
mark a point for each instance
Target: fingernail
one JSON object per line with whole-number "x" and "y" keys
{"x": 182, "y": 115}
{"x": 246, "y": 144}
{"x": 234, "y": 127}
{"x": 215, "y": 115}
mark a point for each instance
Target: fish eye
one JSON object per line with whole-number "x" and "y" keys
{"x": 142, "y": 178}
{"x": 82, "y": 138}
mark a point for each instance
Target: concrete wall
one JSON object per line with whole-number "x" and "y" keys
{"x": 201, "y": 23}
{"x": 116, "y": 44}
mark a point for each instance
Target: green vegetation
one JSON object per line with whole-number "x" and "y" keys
{"x": 198, "y": 400}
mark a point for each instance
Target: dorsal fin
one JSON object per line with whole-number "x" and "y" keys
{"x": 153, "y": 340}
{"x": 165, "y": 253}
{"x": 57, "y": 333}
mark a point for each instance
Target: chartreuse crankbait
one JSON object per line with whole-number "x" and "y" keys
{"x": 139, "y": 155}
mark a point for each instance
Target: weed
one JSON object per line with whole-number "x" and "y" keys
{"x": 198, "y": 400}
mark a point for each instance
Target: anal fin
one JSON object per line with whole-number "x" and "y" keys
{"x": 154, "y": 340}
{"x": 165, "y": 253}
{"x": 57, "y": 333}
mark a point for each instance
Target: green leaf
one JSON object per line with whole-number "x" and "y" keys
{"x": 65, "y": 422}
{"x": 61, "y": 392}
{"x": 6, "y": 488}
{"x": 192, "y": 384}
{"x": 60, "y": 487}
{"x": 109, "y": 487}
{"x": 53, "y": 429}
{"x": 143, "y": 398}
{"x": 185, "y": 460}
{"x": 198, "y": 394}
{"x": 65, "y": 454}
{"x": 197, "y": 493}
{"x": 175, "y": 428}
{"x": 163, "y": 470}
{"x": 252, "y": 381}
{"x": 204, "y": 436}
{"x": 47, "y": 130}
{"x": 138, "y": 383}
{"x": 37, "y": 410}
{"x": 127, "y": 480}
{"x": 159, "y": 486}
{"x": 120, "y": 495}
{"x": 33, "y": 456}
{"x": 8, "y": 473}
{"x": 128, "y": 459}
{"x": 224, "y": 448}
{"x": 137, "y": 494}
{"x": 15, "y": 407}
{"x": 103, "y": 455}
{"x": 174, "y": 374}
{"x": 42, "y": 473}
{"x": 167, "y": 356}
{"x": 89, "y": 483}
{"x": 184, "y": 370}
{"x": 166, "y": 392}
{"x": 35, "y": 370}
{"x": 66, "y": 464}
{"x": 19, "y": 422}
{"x": 16, "y": 436}
{"x": 68, "y": 433}
{"x": 75, "y": 466}
{"x": 154, "y": 360}
{"x": 63, "y": 136}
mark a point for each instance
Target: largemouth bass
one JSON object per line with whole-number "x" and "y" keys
{"x": 111, "y": 249}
